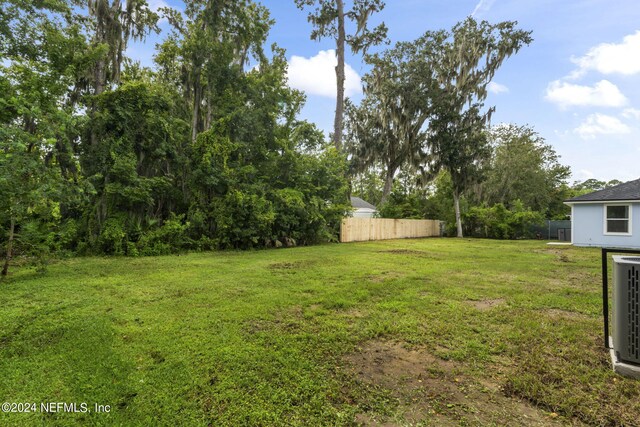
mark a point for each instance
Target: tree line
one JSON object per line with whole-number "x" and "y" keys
{"x": 205, "y": 150}
{"x": 521, "y": 183}
{"x": 424, "y": 107}
{"x": 99, "y": 155}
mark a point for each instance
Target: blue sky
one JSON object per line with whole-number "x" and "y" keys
{"x": 577, "y": 84}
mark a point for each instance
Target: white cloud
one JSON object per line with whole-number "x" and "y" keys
{"x": 585, "y": 174}
{"x": 497, "y": 88}
{"x": 631, "y": 113}
{"x": 603, "y": 94}
{"x": 610, "y": 58}
{"x": 601, "y": 124}
{"x": 317, "y": 75}
{"x": 155, "y": 5}
{"x": 482, "y": 7}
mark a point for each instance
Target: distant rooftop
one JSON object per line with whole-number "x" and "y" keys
{"x": 627, "y": 191}
{"x": 358, "y": 203}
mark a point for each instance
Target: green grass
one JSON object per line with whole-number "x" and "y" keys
{"x": 259, "y": 338}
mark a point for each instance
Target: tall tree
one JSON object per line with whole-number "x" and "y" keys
{"x": 260, "y": 176}
{"x": 20, "y": 24}
{"x": 459, "y": 146}
{"x": 137, "y": 172}
{"x": 37, "y": 119}
{"x": 208, "y": 52}
{"x": 593, "y": 184}
{"x": 329, "y": 19}
{"x": 387, "y": 127}
{"x": 523, "y": 167}
{"x": 114, "y": 23}
{"x": 464, "y": 65}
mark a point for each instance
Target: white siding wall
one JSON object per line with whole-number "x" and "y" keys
{"x": 364, "y": 213}
{"x": 587, "y": 227}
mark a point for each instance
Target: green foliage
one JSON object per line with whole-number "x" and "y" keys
{"x": 102, "y": 156}
{"x": 424, "y": 106}
{"x": 171, "y": 237}
{"x": 498, "y": 222}
{"x": 588, "y": 186}
{"x": 593, "y": 184}
{"x": 432, "y": 202}
{"x": 368, "y": 186}
{"x": 37, "y": 123}
{"x": 321, "y": 179}
{"x": 113, "y": 24}
{"x": 66, "y": 237}
{"x": 408, "y": 206}
{"x": 136, "y": 166}
{"x": 327, "y": 16}
{"x": 203, "y": 58}
{"x": 243, "y": 220}
{"x": 463, "y": 62}
{"x": 113, "y": 237}
{"x": 289, "y": 196}
{"x": 387, "y": 128}
{"x": 259, "y": 177}
{"x": 525, "y": 168}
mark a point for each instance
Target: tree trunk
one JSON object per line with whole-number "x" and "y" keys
{"x": 100, "y": 78}
{"x": 340, "y": 42}
{"x": 388, "y": 186}
{"x": 7, "y": 259}
{"x": 456, "y": 205}
{"x": 197, "y": 98}
{"x": 207, "y": 122}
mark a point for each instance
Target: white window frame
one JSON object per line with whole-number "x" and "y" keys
{"x": 606, "y": 219}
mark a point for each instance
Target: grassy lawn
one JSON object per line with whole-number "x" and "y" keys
{"x": 404, "y": 332}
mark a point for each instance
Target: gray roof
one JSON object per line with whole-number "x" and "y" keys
{"x": 358, "y": 203}
{"x": 627, "y": 191}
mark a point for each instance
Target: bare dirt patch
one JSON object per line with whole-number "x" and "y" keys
{"x": 559, "y": 254}
{"x": 557, "y": 313}
{"x": 486, "y": 304}
{"x": 410, "y": 252}
{"x": 382, "y": 277}
{"x": 354, "y": 313}
{"x": 286, "y": 321}
{"x": 290, "y": 266}
{"x": 433, "y": 391}
{"x": 402, "y": 252}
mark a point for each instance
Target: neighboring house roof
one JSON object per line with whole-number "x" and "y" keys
{"x": 358, "y": 203}
{"x": 627, "y": 191}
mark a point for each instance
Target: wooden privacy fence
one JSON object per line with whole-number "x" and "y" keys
{"x": 362, "y": 229}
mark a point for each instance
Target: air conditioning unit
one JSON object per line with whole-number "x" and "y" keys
{"x": 626, "y": 309}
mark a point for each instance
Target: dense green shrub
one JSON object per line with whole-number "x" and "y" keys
{"x": 498, "y": 222}
{"x": 112, "y": 239}
{"x": 283, "y": 197}
{"x": 133, "y": 176}
{"x": 243, "y": 220}
{"x": 407, "y": 206}
{"x": 170, "y": 237}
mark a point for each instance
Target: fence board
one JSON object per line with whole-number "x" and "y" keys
{"x": 363, "y": 229}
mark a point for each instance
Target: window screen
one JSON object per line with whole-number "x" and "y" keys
{"x": 617, "y": 219}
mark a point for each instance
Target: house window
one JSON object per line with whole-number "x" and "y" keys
{"x": 618, "y": 219}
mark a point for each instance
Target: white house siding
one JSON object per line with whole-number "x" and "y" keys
{"x": 364, "y": 213}
{"x": 587, "y": 226}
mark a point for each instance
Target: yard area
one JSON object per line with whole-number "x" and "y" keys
{"x": 404, "y": 332}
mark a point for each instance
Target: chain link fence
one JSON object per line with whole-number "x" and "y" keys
{"x": 554, "y": 230}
